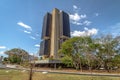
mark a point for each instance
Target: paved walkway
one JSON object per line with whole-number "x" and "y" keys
{"x": 79, "y": 73}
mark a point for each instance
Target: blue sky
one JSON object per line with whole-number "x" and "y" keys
{"x": 21, "y": 20}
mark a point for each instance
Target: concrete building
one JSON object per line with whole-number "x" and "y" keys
{"x": 55, "y": 30}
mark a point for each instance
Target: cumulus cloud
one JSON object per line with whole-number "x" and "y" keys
{"x": 24, "y": 26}
{"x": 28, "y": 32}
{"x": 37, "y": 45}
{"x": 2, "y": 47}
{"x": 78, "y": 19}
{"x": 86, "y": 32}
{"x": 32, "y": 37}
{"x": 75, "y": 18}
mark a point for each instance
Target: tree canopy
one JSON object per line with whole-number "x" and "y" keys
{"x": 17, "y": 55}
{"x": 91, "y": 53}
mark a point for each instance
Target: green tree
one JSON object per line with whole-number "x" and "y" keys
{"x": 15, "y": 59}
{"x": 70, "y": 49}
{"x": 76, "y": 48}
{"x": 89, "y": 49}
{"x": 17, "y": 55}
{"x": 107, "y": 51}
{"x": 116, "y": 61}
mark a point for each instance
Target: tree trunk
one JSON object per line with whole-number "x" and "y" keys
{"x": 31, "y": 72}
{"x": 106, "y": 67}
{"x": 80, "y": 67}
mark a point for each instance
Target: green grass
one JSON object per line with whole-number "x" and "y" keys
{"x": 13, "y": 75}
{"x": 23, "y": 75}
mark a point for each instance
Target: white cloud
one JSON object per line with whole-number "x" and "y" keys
{"x": 76, "y": 23}
{"x": 86, "y": 32}
{"x": 37, "y": 45}
{"x": 24, "y": 26}
{"x": 28, "y": 32}
{"x": 2, "y": 47}
{"x": 32, "y": 37}
{"x": 75, "y": 18}
{"x": 75, "y": 7}
{"x": 92, "y": 31}
{"x": 78, "y": 19}
{"x": 87, "y": 23}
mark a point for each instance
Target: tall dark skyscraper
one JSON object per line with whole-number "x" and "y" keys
{"x": 56, "y": 29}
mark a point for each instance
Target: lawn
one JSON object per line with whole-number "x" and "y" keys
{"x": 23, "y": 75}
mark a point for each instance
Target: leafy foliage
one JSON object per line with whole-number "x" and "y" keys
{"x": 16, "y": 55}
{"x": 92, "y": 53}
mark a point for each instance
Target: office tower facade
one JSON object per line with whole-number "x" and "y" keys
{"x": 56, "y": 29}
